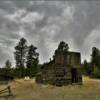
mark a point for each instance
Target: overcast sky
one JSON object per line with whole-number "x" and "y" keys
{"x": 46, "y": 23}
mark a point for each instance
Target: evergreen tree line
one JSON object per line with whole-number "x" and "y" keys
{"x": 27, "y": 61}
{"x": 92, "y": 68}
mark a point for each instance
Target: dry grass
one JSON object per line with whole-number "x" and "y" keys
{"x": 29, "y": 90}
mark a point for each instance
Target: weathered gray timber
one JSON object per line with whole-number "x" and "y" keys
{"x": 64, "y": 69}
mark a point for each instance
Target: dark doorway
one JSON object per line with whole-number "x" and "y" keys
{"x": 74, "y": 75}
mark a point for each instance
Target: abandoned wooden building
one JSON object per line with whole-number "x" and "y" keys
{"x": 64, "y": 69}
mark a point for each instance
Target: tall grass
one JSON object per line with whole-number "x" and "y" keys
{"x": 29, "y": 90}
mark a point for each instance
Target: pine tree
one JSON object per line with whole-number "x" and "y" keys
{"x": 32, "y": 61}
{"x": 87, "y": 69}
{"x": 20, "y": 56}
{"x": 95, "y": 57}
{"x": 63, "y": 46}
{"x": 8, "y": 64}
{"x": 7, "y": 68}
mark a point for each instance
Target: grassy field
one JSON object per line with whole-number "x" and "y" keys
{"x": 29, "y": 90}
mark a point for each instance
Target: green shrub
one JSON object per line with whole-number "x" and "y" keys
{"x": 96, "y": 72}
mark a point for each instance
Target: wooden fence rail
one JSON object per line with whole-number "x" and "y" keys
{"x": 7, "y": 89}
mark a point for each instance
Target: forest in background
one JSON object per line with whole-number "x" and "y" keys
{"x": 27, "y": 61}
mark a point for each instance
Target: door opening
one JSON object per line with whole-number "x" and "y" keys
{"x": 74, "y": 75}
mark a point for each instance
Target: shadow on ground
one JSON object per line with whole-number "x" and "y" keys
{"x": 7, "y": 97}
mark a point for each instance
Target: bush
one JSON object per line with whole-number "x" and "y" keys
{"x": 96, "y": 72}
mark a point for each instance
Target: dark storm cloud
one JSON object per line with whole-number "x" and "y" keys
{"x": 46, "y": 23}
